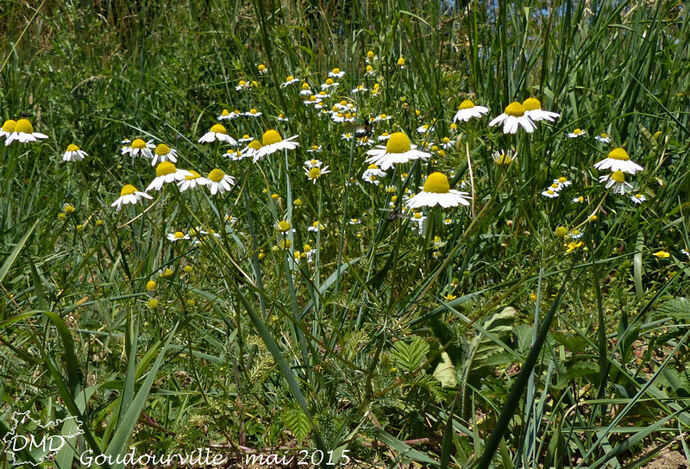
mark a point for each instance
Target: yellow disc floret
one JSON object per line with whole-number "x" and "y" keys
{"x": 271, "y": 136}
{"x": 162, "y": 149}
{"x": 466, "y": 104}
{"x": 255, "y": 144}
{"x": 515, "y": 109}
{"x": 283, "y": 226}
{"x": 9, "y": 126}
{"x": 619, "y": 154}
{"x": 398, "y": 143}
{"x": 72, "y": 147}
{"x": 618, "y": 176}
{"x": 531, "y": 104}
{"x": 128, "y": 189}
{"x": 437, "y": 183}
{"x": 193, "y": 175}
{"x": 314, "y": 173}
{"x": 138, "y": 143}
{"x": 216, "y": 175}
{"x": 165, "y": 168}
{"x": 179, "y": 235}
{"x": 219, "y": 129}
{"x": 23, "y": 125}
{"x": 336, "y": 71}
{"x": 329, "y": 81}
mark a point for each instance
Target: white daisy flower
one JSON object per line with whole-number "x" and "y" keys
{"x": 355, "y": 221}
{"x": 370, "y": 72}
{"x": 618, "y": 160}
{"x": 313, "y": 164}
{"x": 419, "y": 218}
{"x": 371, "y": 57}
{"x": 252, "y": 113}
{"x": 346, "y": 136}
{"x": 329, "y": 84}
{"x": 314, "y": 149}
{"x": 372, "y": 174}
{"x": 551, "y": 193}
{"x": 177, "y": 236}
{"x": 164, "y": 153}
{"x": 73, "y": 153}
{"x": 306, "y": 90}
{"x": 273, "y": 142}
{"x": 401, "y": 63}
{"x": 447, "y": 143}
{"x": 617, "y": 181}
{"x": 562, "y": 182}
{"x": 166, "y": 172}
{"x": 513, "y": 117}
{"x": 219, "y": 182}
{"x": 252, "y": 149}
{"x": 217, "y": 132}
{"x": 245, "y": 138}
{"x": 316, "y": 227}
{"x": 504, "y": 158}
{"x": 575, "y": 234}
{"x": 289, "y": 80}
{"x": 437, "y": 191}
{"x": 577, "y": 133}
{"x": 311, "y": 101}
{"x": 638, "y": 198}
{"x": 228, "y": 115}
{"x": 191, "y": 181}
{"x": 424, "y": 129}
{"x": 603, "y": 138}
{"x": 398, "y": 149}
{"x": 243, "y": 85}
{"x": 469, "y": 110}
{"x": 534, "y": 111}
{"x": 315, "y": 172}
{"x": 447, "y": 221}
{"x": 381, "y": 118}
{"x": 129, "y": 195}
{"x": 138, "y": 147}
{"x": 282, "y": 118}
{"x": 360, "y": 89}
{"x": 7, "y": 128}
{"x": 383, "y": 137}
{"x": 578, "y": 200}
{"x": 23, "y": 132}
{"x": 234, "y": 155}
{"x": 364, "y": 141}
{"x": 336, "y": 73}
{"x": 263, "y": 70}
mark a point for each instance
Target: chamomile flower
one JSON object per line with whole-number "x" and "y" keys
{"x": 73, "y": 153}
{"x": 217, "y": 132}
{"x": 129, "y": 195}
{"x": 273, "y": 142}
{"x": 360, "y": 89}
{"x": 551, "y": 193}
{"x": 289, "y": 80}
{"x": 512, "y": 118}
{"x": 355, "y": 221}
{"x": 315, "y": 172}
{"x": 577, "y": 133}
{"x": 504, "y": 158}
{"x": 638, "y": 198}
{"x": 578, "y": 200}
{"x": 23, "y": 132}
{"x": 469, "y": 110}
{"x": 383, "y": 137}
{"x": 138, "y": 147}
{"x": 370, "y": 71}
{"x": 305, "y": 90}
{"x": 401, "y": 63}
{"x": 346, "y": 136}
{"x": 447, "y": 221}
{"x": 419, "y": 218}
{"x": 371, "y": 56}
{"x": 329, "y": 84}
{"x": 262, "y": 69}
{"x": 618, "y": 160}
{"x": 381, "y": 118}
{"x": 166, "y": 172}
{"x": 316, "y": 227}
{"x": 311, "y": 101}
{"x": 373, "y": 174}
{"x": 617, "y": 181}
{"x": 177, "y": 236}
{"x": 534, "y": 111}
{"x": 398, "y": 149}
{"x": 422, "y": 129}
{"x": 253, "y": 112}
{"x": 313, "y": 163}
{"x": 603, "y": 138}
{"x": 447, "y": 143}
{"x": 437, "y": 191}
{"x": 229, "y": 115}
{"x": 191, "y": 181}
{"x": 243, "y": 85}
{"x": 234, "y": 155}
{"x": 162, "y": 152}
{"x": 219, "y": 182}
{"x": 336, "y": 73}
{"x": 575, "y": 234}
{"x": 8, "y": 128}
{"x": 314, "y": 149}
{"x": 562, "y": 182}
{"x": 282, "y": 118}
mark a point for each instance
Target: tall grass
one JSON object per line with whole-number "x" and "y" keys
{"x": 492, "y": 347}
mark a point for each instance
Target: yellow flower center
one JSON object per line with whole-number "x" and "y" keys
{"x": 562, "y": 180}
{"x": 305, "y": 86}
{"x": 446, "y": 140}
{"x": 261, "y": 67}
{"x": 336, "y": 70}
{"x": 466, "y": 104}
{"x": 561, "y": 231}
{"x": 550, "y": 192}
{"x": 9, "y": 126}
{"x": 216, "y": 175}
{"x": 179, "y": 235}
{"x": 314, "y": 173}
{"x": 23, "y": 125}
{"x": 289, "y": 78}
{"x": 225, "y": 112}
{"x": 398, "y": 143}
{"x": 373, "y": 166}
{"x": 329, "y": 81}
{"x": 554, "y": 185}
{"x": 243, "y": 83}
{"x": 437, "y": 183}
{"x": 618, "y": 176}
{"x": 418, "y": 215}
{"x": 72, "y": 147}
{"x": 253, "y": 111}
{"x": 515, "y": 109}
{"x": 218, "y": 129}
{"x": 138, "y": 143}
{"x": 401, "y": 61}
{"x": 128, "y": 189}
{"x": 530, "y": 104}
{"x": 603, "y": 135}
{"x": 577, "y": 131}
{"x": 370, "y": 68}
{"x": 619, "y": 154}
{"x": 165, "y": 168}
{"x": 193, "y": 175}
{"x": 283, "y": 225}
{"x": 370, "y": 54}
{"x": 162, "y": 149}
{"x": 271, "y": 136}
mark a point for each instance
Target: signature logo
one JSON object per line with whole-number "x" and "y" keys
{"x": 42, "y": 441}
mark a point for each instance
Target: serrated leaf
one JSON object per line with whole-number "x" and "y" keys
{"x": 297, "y": 422}
{"x": 409, "y": 357}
